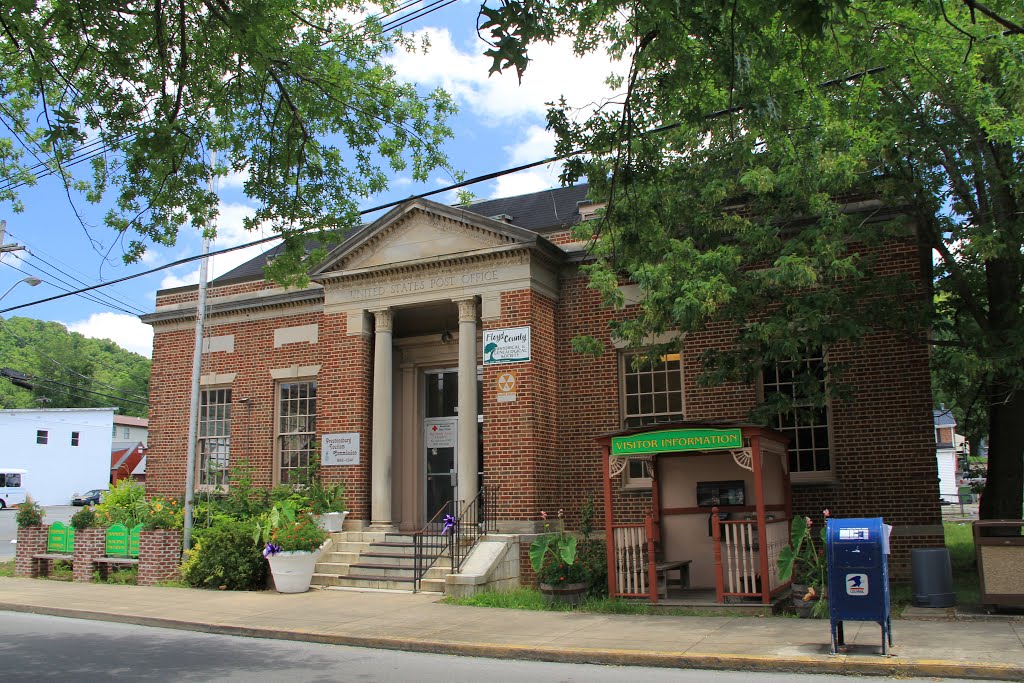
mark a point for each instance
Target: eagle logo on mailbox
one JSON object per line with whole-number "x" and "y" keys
{"x": 857, "y": 584}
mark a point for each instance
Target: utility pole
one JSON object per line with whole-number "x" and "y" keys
{"x": 197, "y": 363}
{"x": 5, "y": 248}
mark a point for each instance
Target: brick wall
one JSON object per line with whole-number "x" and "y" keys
{"x": 31, "y": 542}
{"x": 89, "y": 544}
{"x": 159, "y": 556}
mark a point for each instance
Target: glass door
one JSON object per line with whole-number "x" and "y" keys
{"x": 440, "y": 438}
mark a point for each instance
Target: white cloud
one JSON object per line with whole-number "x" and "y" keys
{"x": 553, "y": 72}
{"x": 536, "y": 143}
{"x": 126, "y": 331}
{"x": 171, "y": 280}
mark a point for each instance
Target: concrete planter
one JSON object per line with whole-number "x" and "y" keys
{"x": 332, "y": 522}
{"x": 293, "y": 570}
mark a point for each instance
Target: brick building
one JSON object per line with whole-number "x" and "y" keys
{"x": 431, "y": 353}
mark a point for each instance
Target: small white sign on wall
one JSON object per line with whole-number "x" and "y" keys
{"x": 340, "y": 449}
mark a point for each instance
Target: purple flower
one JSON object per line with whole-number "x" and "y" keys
{"x": 449, "y": 524}
{"x": 271, "y": 549}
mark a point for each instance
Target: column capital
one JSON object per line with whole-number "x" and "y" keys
{"x": 467, "y": 309}
{"x": 384, "y": 319}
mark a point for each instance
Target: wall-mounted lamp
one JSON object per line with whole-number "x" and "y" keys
{"x": 446, "y": 336}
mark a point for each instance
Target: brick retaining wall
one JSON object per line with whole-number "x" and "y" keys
{"x": 159, "y": 556}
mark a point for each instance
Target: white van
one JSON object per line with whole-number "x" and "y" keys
{"x": 12, "y": 487}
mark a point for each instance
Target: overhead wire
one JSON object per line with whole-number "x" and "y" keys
{"x": 53, "y": 279}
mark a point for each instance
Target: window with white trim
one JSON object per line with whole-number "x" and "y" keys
{"x": 214, "y": 449}
{"x": 42, "y": 437}
{"x": 807, "y": 425}
{"x": 652, "y": 393}
{"x": 74, "y": 438}
{"x": 296, "y": 428}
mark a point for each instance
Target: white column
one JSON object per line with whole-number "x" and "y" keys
{"x": 468, "y": 408}
{"x": 380, "y": 466}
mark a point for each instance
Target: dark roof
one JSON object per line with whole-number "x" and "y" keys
{"x": 541, "y": 212}
{"x": 944, "y": 418}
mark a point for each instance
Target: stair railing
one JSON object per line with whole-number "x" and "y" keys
{"x": 475, "y": 520}
{"x": 430, "y": 543}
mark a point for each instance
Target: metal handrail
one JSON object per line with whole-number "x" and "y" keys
{"x": 475, "y": 520}
{"x": 429, "y": 544}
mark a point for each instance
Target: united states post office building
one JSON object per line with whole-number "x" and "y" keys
{"x": 430, "y": 356}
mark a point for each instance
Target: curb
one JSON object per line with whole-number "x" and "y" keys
{"x": 837, "y": 664}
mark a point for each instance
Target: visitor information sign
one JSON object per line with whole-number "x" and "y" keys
{"x": 511, "y": 345}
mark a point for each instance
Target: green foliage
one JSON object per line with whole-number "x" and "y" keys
{"x": 164, "y": 513}
{"x": 804, "y": 563}
{"x": 30, "y": 513}
{"x": 774, "y": 120}
{"x": 303, "y": 533}
{"x": 530, "y": 599}
{"x": 7, "y": 568}
{"x": 553, "y": 555}
{"x": 47, "y": 350}
{"x": 296, "y": 94}
{"x": 125, "y": 503}
{"x": 86, "y": 518}
{"x": 118, "y": 576}
{"x": 225, "y": 556}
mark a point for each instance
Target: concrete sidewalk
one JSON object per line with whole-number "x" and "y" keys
{"x": 988, "y": 649}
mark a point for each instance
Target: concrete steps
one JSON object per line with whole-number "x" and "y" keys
{"x": 376, "y": 561}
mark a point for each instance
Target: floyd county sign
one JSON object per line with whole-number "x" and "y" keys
{"x": 340, "y": 449}
{"x": 511, "y": 345}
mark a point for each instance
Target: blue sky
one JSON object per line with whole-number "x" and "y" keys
{"x": 500, "y": 124}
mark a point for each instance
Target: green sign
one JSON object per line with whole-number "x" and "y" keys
{"x": 676, "y": 440}
{"x": 133, "y": 541}
{"x": 60, "y": 538}
{"x": 117, "y": 541}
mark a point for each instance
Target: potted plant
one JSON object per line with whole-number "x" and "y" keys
{"x": 803, "y": 560}
{"x": 553, "y": 556}
{"x": 293, "y": 544}
{"x": 328, "y": 504}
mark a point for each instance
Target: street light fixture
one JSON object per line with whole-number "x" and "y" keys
{"x": 31, "y": 281}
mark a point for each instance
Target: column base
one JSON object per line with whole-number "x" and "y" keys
{"x": 388, "y": 527}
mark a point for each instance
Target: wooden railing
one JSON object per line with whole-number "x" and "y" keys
{"x": 634, "y": 566}
{"x": 739, "y": 571}
{"x": 778, "y": 538}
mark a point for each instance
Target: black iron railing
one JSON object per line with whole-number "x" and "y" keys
{"x": 431, "y": 542}
{"x": 475, "y": 520}
{"x": 454, "y": 535}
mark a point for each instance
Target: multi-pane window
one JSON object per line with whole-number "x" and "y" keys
{"x": 806, "y": 424}
{"x": 296, "y": 429}
{"x": 127, "y": 432}
{"x": 651, "y": 392}
{"x": 42, "y": 436}
{"x": 74, "y": 438}
{"x": 214, "y": 437}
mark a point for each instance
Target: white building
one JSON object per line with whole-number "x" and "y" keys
{"x": 130, "y": 429}
{"x": 64, "y": 450}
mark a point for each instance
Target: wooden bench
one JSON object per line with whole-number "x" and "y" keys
{"x": 49, "y": 558}
{"x": 663, "y": 570}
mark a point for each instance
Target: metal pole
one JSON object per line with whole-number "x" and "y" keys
{"x": 197, "y": 363}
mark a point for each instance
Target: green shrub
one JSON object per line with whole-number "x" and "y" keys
{"x": 125, "y": 503}
{"x": 226, "y": 556}
{"x": 30, "y": 513}
{"x": 85, "y": 518}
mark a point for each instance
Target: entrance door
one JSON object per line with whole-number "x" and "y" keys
{"x": 440, "y": 438}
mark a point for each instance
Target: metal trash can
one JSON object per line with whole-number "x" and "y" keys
{"x": 932, "y": 577}
{"x": 858, "y": 575}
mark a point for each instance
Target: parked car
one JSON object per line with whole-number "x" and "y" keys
{"x": 89, "y": 497}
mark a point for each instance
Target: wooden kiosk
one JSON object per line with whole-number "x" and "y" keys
{"x": 719, "y": 513}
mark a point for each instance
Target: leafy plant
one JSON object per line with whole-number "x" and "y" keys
{"x": 802, "y": 556}
{"x": 30, "y": 513}
{"x": 125, "y": 503}
{"x": 302, "y": 534}
{"x": 225, "y": 556}
{"x": 553, "y": 555}
{"x": 86, "y": 518}
{"x": 164, "y": 513}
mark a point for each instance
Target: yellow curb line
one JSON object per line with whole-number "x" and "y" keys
{"x": 839, "y": 664}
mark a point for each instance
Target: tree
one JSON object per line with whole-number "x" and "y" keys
{"x": 292, "y": 93}
{"x": 744, "y": 126}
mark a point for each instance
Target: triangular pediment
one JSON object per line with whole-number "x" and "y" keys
{"x": 418, "y": 231}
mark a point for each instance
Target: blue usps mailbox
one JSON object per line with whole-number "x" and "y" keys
{"x": 858, "y": 575}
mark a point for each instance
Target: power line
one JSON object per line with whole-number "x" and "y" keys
{"x": 114, "y": 302}
{"x": 88, "y": 391}
{"x": 49, "y": 277}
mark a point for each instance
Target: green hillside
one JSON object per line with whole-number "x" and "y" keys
{"x": 68, "y": 370}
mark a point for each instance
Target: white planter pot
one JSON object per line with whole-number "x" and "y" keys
{"x": 293, "y": 570}
{"x": 332, "y": 521}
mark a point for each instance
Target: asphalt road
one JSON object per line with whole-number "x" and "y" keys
{"x": 9, "y": 530}
{"x": 34, "y": 647}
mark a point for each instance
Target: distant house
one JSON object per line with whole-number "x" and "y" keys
{"x": 64, "y": 450}
{"x": 130, "y": 429}
{"x": 946, "y": 447}
{"x": 127, "y": 460}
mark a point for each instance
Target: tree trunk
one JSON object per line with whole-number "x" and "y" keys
{"x": 1003, "y": 496}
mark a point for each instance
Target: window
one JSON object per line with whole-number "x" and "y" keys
{"x": 651, "y": 393}
{"x": 42, "y": 436}
{"x": 74, "y": 438}
{"x": 806, "y": 424}
{"x": 127, "y": 432}
{"x": 113, "y": 432}
{"x": 13, "y": 480}
{"x": 214, "y": 437}
{"x": 296, "y": 428}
